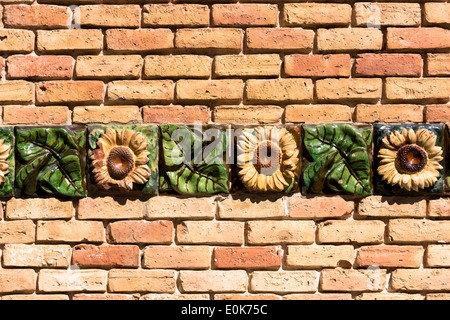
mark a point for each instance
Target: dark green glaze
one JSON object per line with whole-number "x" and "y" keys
{"x": 337, "y": 159}
{"x": 382, "y": 187}
{"x": 7, "y": 188}
{"x": 151, "y": 133}
{"x": 447, "y": 157}
{"x": 200, "y": 173}
{"x": 51, "y": 161}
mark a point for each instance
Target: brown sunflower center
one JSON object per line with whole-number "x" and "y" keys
{"x": 411, "y": 158}
{"x": 268, "y": 157}
{"x": 120, "y": 162}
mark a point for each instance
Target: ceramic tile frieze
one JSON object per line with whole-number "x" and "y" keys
{"x": 124, "y": 159}
{"x": 50, "y": 161}
{"x": 337, "y": 159}
{"x": 409, "y": 159}
{"x": 7, "y": 163}
{"x": 193, "y": 160}
{"x": 268, "y": 158}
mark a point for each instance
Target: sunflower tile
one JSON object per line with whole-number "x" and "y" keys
{"x": 408, "y": 159}
{"x": 447, "y": 158}
{"x": 123, "y": 159}
{"x": 194, "y": 159}
{"x": 50, "y": 161}
{"x": 7, "y": 164}
{"x": 267, "y": 158}
{"x": 337, "y": 159}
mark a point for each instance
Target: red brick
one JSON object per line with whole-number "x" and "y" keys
{"x": 106, "y": 256}
{"x": 280, "y": 39}
{"x": 36, "y": 115}
{"x": 140, "y": 232}
{"x": 176, "y": 114}
{"x": 244, "y": 14}
{"x": 437, "y": 113}
{"x": 418, "y": 38}
{"x": 127, "y": 16}
{"x": 209, "y": 39}
{"x": 247, "y": 258}
{"x": 316, "y": 14}
{"x": 388, "y": 65}
{"x": 175, "y": 15}
{"x": 36, "y": 16}
{"x": 141, "y": 40}
{"x": 40, "y": 67}
{"x": 390, "y": 256}
{"x": 69, "y": 91}
{"x": 302, "y": 65}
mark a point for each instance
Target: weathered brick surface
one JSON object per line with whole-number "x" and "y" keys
{"x": 302, "y": 65}
{"x": 418, "y": 231}
{"x": 36, "y": 16}
{"x": 42, "y": 67}
{"x": 437, "y": 256}
{"x": 17, "y": 91}
{"x": 69, "y": 91}
{"x": 437, "y": 13}
{"x": 425, "y": 89}
{"x": 418, "y": 280}
{"x": 247, "y": 114}
{"x": 209, "y": 90}
{"x": 36, "y": 115}
{"x": 106, "y": 114}
{"x": 72, "y": 280}
{"x": 392, "y": 113}
{"x": 50, "y": 208}
{"x": 388, "y": 65}
{"x": 417, "y": 38}
{"x": 113, "y": 66}
{"x": 341, "y": 90}
{"x": 213, "y": 281}
{"x": 125, "y": 280}
{"x": 349, "y": 280}
{"x": 390, "y": 256}
{"x": 172, "y": 208}
{"x": 319, "y": 207}
{"x": 357, "y": 231}
{"x": 106, "y": 256}
{"x": 17, "y": 232}
{"x": 109, "y": 208}
{"x": 177, "y": 66}
{"x": 247, "y": 258}
{"x": 279, "y": 232}
{"x": 126, "y": 16}
{"x": 349, "y": 39}
{"x": 244, "y": 208}
{"x": 279, "y": 39}
{"x": 387, "y": 14}
{"x": 17, "y": 281}
{"x": 141, "y": 40}
{"x": 279, "y": 90}
{"x": 180, "y": 257}
{"x": 283, "y": 281}
{"x": 212, "y": 39}
{"x": 70, "y": 231}
{"x": 244, "y": 14}
{"x": 147, "y": 91}
{"x": 66, "y": 41}
{"x": 378, "y": 206}
{"x": 38, "y": 256}
{"x": 176, "y": 114}
{"x": 437, "y": 113}
{"x": 175, "y": 15}
{"x": 140, "y": 232}
{"x": 253, "y": 65}
{"x": 316, "y": 14}
{"x": 210, "y": 232}
{"x": 15, "y": 40}
{"x": 438, "y": 64}
{"x": 312, "y": 257}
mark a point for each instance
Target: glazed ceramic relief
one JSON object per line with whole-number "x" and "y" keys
{"x": 194, "y": 160}
{"x": 268, "y": 158}
{"x": 7, "y": 164}
{"x": 447, "y": 157}
{"x": 51, "y": 161}
{"x": 337, "y": 159}
{"x": 409, "y": 159}
{"x": 124, "y": 158}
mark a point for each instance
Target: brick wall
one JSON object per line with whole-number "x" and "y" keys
{"x": 252, "y": 62}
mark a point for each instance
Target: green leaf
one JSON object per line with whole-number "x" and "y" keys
{"x": 51, "y": 160}
{"x": 190, "y": 163}
{"x": 340, "y": 159}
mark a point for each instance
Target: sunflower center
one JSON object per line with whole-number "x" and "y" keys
{"x": 120, "y": 162}
{"x": 411, "y": 158}
{"x": 268, "y": 157}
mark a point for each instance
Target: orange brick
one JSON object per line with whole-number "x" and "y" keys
{"x": 266, "y": 232}
{"x": 70, "y": 231}
{"x": 176, "y": 114}
{"x": 280, "y": 39}
{"x": 382, "y": 206}
{"x": 36, "y": 115}
{"x": 349, "y": 39}
{"x": 159, "y": 231}
{"x": 390, "y": 256}
{"x": 312, "y": 257}
{"x": 141, "y": 40}
{"x": 438, "y": 64}
{"x": 36, "y": 16}
{"x": 319, "y": 296}
{"x": 387, "y": 14}
{"x": 106, "y": 256}
{"x": 302, "y": 65}
{"x": 36, "y": 297}
{"x": 170, "y": 207}
{"x": 418, "y": 231}
{"x": 316, "y": 14}
{"x": 213, "y": 281}
{"x": 247, "y": 257}
{"x": 175, "y": 296}
{"x": 437, "y": 13}
{"x": 350, "y": 280}
{"x": 210, "y": 90}
{"x": 247, "y": 114}
{"x": 437, "y": 113}
{"x": 146, "y": 91}
{"x": 179, "y": 257}
{"x": 177, "y": 66}
{"x": 127, "y": 16}
{"x": 438, "y": 208}
{"x": 17, "y": 281}
{"x": 244, "y": 14}
{"x": 106, "y": 296}
{"x": 210, "y": 232}
{"x": 175, "y": 15}
{"x": 418, "y": 38}
{"x": 67, "y": 41}
{"x": 17, "y": 91}
{"x": 109, "y": 67}
{"x": 279, "y": 90}
{"x": 420, "y": 280}
{"x": 105, "y": 208}
{"x": 318, "y": 113}
{"x": 17, "y": 231}
{"x": 246, "y": 296}
{"x": 69, "y": 91}
{"x": 357, "y": 89}
{"x": 388, "y": 65}
{"x": 35, "y": 208}
{"x": 40, "y": 67}
{"x": 283, "y": 281}
{"x": 389, "y": 296}
{"x": 396, "y": 113}
{"x": 437, "y": 256}
{"x": 20, "y": 41}
{"x": 252, "y": 65}
{"x": 236, "y": 207}
{"x": 351, "y": 231}
{"x": 413, "y": 89}
{"x": 141, "y": 281}
{"x": 319, "y": 207}
{"x": 209, "y": 39}
{"x": 106, "y": 114}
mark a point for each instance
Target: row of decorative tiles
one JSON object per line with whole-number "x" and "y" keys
{"x": 337, "y": 158}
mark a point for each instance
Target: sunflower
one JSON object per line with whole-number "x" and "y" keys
{"x": 268, "y": 160}
{"x": 410, "y": 159}
{"x": 121, "y": 159}
{"x": 4, "y": 164}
